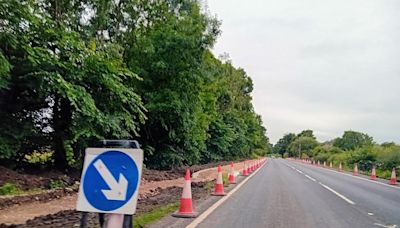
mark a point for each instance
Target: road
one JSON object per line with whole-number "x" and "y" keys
{"x": 290, "y": 194}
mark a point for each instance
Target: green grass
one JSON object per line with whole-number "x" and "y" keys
{"x": 9, "y": 189}
{"x": 154, "y": 215}
{"x": 225, "y": 179}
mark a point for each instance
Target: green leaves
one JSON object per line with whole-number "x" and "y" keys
{"x": 73, "y": 73}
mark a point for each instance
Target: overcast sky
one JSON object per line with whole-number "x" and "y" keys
{"x": 329, "y": 66}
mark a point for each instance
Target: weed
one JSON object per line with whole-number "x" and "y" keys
{"x": 9, "y": 189}
{"x": 154, "y": 215}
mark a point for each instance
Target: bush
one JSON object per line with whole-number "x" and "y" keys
{"x": 9, "y": 189}
{"x": 44, "y": 157}
{"x": 388, "y": 158}
{"x": 56, "y": 184}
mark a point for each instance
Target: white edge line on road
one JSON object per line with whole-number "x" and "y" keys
{"x": 207, "y": 212}
{"x": 337, "y": 193}
{"x": 310, "y": 178}
{"x": 361, "y": 178}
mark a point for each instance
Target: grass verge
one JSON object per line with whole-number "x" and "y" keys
{"x": 142, "y": 220}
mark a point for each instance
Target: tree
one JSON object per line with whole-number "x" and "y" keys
{"x": 73, "y": 72}
{"x": 306, "y": 133}
{"x": 303, "y": 144}
{"x": 352, "y": 140}
{"x": 282, "y": 146}
{"x": 62, "y": 92}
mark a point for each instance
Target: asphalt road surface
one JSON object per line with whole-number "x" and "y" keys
{"x": 290, "y": 194}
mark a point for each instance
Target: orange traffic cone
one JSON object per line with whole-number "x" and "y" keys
{"x": 355, "y": 171}
{"x": 324, "y": 163}
{"x": 330, "y": 165}
{"x": 248, "y": 169}
{"x": 393, "y": 179}
{"x": 186, "y": 208}
{"x": 232, "y": 175}
{"x": 373, "y": 173}
{"x": 245, "y": 173}
{"x": 340, "y": 167}
{"x": 219, "y": 184}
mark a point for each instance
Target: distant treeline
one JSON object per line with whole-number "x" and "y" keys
{"x": 353, "y": 147}
{"x": 74, "y": 72}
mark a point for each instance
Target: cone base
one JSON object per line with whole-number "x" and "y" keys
{"x": 185, "y": 215}
{"x": 373, "y": 178}
{"x": 393, "y": 182}
{"x": 218, "y": 194}
{"x": 233, "y": 182}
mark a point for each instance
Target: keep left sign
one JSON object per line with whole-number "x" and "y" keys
{"x": 110, "y": 180}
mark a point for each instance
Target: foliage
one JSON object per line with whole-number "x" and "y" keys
{"x": 40, "y": 157}
{"x": 306, "y": 133}
{"x": 352, "y": 140}
{"x": 282, "y": 146}
{"x": 73, "y": 72}
{"x": 353, "y": 147}
{"x": 9, "y": 189}
{"x": 143, "y": 220}
{"x": 303, "y": 144}
{"x": 57, "y": 184}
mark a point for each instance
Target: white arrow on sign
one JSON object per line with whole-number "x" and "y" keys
{"x": 118, "y": 188}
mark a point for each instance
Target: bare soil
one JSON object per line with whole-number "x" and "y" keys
{"x": 56, "y": 208}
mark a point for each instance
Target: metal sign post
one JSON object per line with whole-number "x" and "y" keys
{"x": 110, "y": 182}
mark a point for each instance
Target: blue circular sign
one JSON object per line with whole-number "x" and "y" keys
{"x": 106, "y": 172}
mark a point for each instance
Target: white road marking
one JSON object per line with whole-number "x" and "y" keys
{"x": 337, "y": 193}
{"x": 206, "y": 213}
{"x": 361, "y": 178}
{"x": 310, "y": 178}
{"x": 389, "y": 226}
{"x": 299, "y": 171}
{"x": 369, "y": 213}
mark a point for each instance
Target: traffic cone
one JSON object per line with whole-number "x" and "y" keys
{"x": 318, "y": 164}
{"x": 393, "y": 179}
{"x": 186, "y": 208}
{"x": 248, "y": 168}
{"x": 373, "y": 173}
{"x": 355, "y": 171}
{"x": 245, "y": 173}
{"x": 219, "y": 184}
{"x": 232, "y": 175}
{"x": 340, "y": 167}
{"x": 324, "y": 163}
{"x": 330, "y": 165}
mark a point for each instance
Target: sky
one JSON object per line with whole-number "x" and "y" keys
{"x": 329, "y": 66}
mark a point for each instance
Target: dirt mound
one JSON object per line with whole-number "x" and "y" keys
{"x": 40, "y": 197}
{"x": 149, "y": 175}
{"x": 71, "y": 218}
{"x": 24, "y": 181}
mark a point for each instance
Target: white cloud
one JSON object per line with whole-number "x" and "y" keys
{"x": 326, "y": 65}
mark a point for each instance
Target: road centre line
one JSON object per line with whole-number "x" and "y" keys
{"x": 206, "y": 213}
{"x": 299, "y": 171}
{"x": 390, "y": 226}
{"x": 310, "y": 178}
{"x": 337, "y": 193}
{"x": 361, "y": 178}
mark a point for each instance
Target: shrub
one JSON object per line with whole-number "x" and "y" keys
{"x": 9, "y": 189}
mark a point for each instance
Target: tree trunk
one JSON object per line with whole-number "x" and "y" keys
{"x": 62, "y": 118}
